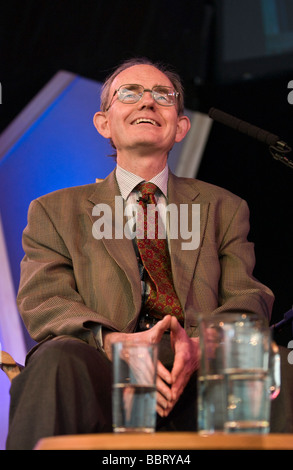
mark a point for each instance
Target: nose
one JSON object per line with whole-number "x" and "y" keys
{"x": 147, "y": 100}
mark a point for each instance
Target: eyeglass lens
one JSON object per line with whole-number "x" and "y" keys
{"x": 163, "y": 95}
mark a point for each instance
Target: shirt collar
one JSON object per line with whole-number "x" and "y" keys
{"x": 127, "y": 181}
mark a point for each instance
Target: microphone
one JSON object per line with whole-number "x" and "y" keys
{"x": 277, "y": 146}
{"x": 288, "y": 317}
{"x": 244, "y": 127}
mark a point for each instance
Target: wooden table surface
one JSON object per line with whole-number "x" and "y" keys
{"x": 168, "y": 441}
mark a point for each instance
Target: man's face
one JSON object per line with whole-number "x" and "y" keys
{"x": 144, "y": 126}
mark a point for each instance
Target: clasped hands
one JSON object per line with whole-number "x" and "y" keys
{"x": 170, "y": 384}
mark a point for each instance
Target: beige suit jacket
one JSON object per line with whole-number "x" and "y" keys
{"x": 70, "y": 281}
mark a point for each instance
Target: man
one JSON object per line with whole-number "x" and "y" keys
{"x": 80, "y": 291}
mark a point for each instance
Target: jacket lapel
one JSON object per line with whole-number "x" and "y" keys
{"x": 119, "y": 247}
{"x": 184, "y": 194}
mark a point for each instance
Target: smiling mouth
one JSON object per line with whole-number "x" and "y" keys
{"x": 146, "y": 121}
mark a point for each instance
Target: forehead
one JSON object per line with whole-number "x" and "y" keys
{"x": 145, "y": 75}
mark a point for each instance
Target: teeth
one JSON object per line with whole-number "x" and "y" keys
{"x": 151, "y": 121}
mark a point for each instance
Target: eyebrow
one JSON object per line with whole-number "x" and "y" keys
{"x": 134, "y": 83}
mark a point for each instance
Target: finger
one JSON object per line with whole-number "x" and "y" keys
{"x": 162, "y": 411}
{"x": 181, "y": 372}
{"x": 159, "y": 328}
{"x": 164, "y": 390}
{"x": 179, "y": 366}
{"x": 177, "y": 388}
{"x": 164, "y": 394}
{"x": 176, "y": 329}
{"x": 164, "y": 373}
{"x": 163, "y": 406}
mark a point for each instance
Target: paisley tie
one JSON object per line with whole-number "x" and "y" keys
{"x": 154, "y": 254}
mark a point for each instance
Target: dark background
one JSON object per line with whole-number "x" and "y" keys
{"x": 218, "y": 49}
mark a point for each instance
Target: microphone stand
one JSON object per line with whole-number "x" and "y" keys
{"x": 279, "y": 152}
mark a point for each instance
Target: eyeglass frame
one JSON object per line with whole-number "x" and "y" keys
{"x": 175, "y": 94}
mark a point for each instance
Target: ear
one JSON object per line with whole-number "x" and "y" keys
{"x": 101, "y": 124}
{"x": 183, "y": 126}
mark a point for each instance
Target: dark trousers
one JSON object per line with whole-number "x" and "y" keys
{"x": 65, "y": 388}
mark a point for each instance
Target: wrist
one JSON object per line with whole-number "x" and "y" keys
{"x": 110, "y": 337}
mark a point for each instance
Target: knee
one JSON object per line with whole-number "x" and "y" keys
{"x": 68, "y": 353}
{"x": 59, "y": 348}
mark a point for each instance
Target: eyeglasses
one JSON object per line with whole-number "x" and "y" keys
{"x": 132, "y": 93}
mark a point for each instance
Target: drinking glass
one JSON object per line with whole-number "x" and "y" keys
{"x": 239, "y": 374}
{"x": 134, "y": 387}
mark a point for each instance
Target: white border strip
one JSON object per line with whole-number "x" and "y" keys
{"x": 10, "y": 324}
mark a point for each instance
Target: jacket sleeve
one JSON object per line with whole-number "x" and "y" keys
{"x": 48, "y": 298}
{"x": 239, "y": 290}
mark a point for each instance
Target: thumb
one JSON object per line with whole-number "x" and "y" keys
{"x": 159, "y": 329}
{"x": 176, "y": 331}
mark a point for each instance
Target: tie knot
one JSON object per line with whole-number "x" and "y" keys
{"x": 147, "y": 189}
